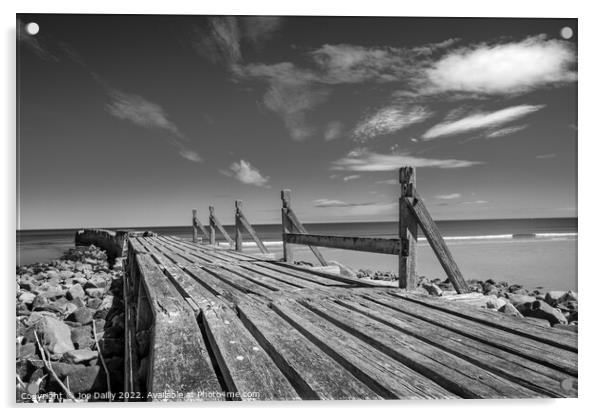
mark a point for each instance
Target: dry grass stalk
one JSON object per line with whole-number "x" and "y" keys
{"x": 102, "y": 360}
{"x": 48, "y": 365}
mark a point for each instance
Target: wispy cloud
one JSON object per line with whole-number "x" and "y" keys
{"x": 351, "y": 177}
{"x": 494, "y": 134}
{"x": 357, "y": 208}
{"x": 388, "y": 182}
{"x": 388, "y": 120}
{"x": 449, "y": 196}
{"x": 504, "y": 68}
{"x": 330, "y": 203}
{"x": 259, "y": 29}
{"x": 362, "y": 160}
{"x": 546, "y": 156}
{"x": 244, "y": 172}
{"x": 479, "y": 121}
{"x": 145, "y": 113}
{"x": 333, "y": 130}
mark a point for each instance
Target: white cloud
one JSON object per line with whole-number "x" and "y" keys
{"x": 357, "y": 208}
{"x": 244, "y": 172}
{"x": 351, "y": 177}
{"x": 258, "y": 29}
{"x": 150, "y": 115}
{"x": 504, "y": 68}
{"x": 546, "y": 156}
{"x": 449, "y": 196}
{"x": 505, "y": 131}
{"x": 362, "y": 160}
{"x": 333, "y": 130}
{"x": 480, "y": 121}
{"x": 388, "y": 120}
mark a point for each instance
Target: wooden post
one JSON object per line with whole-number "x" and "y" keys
{"x": 211, "y": 227}
{"x": 408, "y": 230}
{"x": 238, "y": 226}
{"x": 194, "y": 230}
{"x": 287, "y": 225}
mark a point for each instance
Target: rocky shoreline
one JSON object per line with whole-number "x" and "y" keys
{"x": 70, "y": 328}
{"x": 553, "y": 308}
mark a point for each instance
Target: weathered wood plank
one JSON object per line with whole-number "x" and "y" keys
{"x": 243, "y": 363}
{"x": 287, "y": 225}
{"x": 315, "y": 274}
{"x": 389, "y": 378}
{"x": 513, "y": 367}
{"x": 433, "y": 236}
{"x": 262, "y": 279}
{"x": 408, "y": 231}
{"x": 279, "y": 276}
{"x": 298, "y": 273}
{"x": 511, "y": 324}
{"x": 313, "y": 373}
{"x": 240, "y": 283}
{"x": 371, "y": 245}
{"x": 180, "y": 360}
{"x": 453, "y": 373}
{"x": 555, "y": 357}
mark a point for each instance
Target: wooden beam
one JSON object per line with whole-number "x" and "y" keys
{"x": 430, "y": 230}
{"x": 301, "y": 229}
{"x": 241, "y": 221}
{"x": 194, "y": 230}
{"x": 408, "y": 230}
{"x": 237, "y": 226}
{"x": 211, "y": 227}
{"x": 371, "y": 245}
{"x": 217, "y": 224}
{"x": 287, "y": 225}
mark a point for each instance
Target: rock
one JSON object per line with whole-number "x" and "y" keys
{"x": 64, "y": 369}
{"x": 553, "y": 297}
{"x": 569, "y": 296}
{"x": 518, "y": 299}
{"x": 27, "y": 298}
{"x": 79, "y": 356}
{"x": 495, "y": 303}
{"x": 432, "y": 289}
{"x": 82, "y": 337}
{"x": 52, "y": 275}
{"x": 509, "y": 309}
{"x": 85, "y": 379}
{"x": 82, "y": 315}
{"x": 76, "y": 291}
{"x": 25, "y": 351}
{"x": 107, "y": 303}
{"x": 490, "y": 289}
{"x": 40, "y": 301}
{"x": 94, "y": 292}
{"x": 521, "y": 291}
{"x": 523, "y": 308}
{"x": 542, "y": 310}
{"x": 66, "y": 274}
{"x": 94, "y": 303}
{"x": 53, "y": 334}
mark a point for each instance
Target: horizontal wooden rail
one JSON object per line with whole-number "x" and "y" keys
{"x": 371, "y": 245}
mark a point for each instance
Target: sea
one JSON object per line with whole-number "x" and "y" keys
{"x": 534, "y": 252}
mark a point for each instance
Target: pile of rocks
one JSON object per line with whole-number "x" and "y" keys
{"x": 377, "y": 275}
{"x": 62, "y": 302}
{"x": 553, "y": 308}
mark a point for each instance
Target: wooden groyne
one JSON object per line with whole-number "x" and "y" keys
{"x": 205, "y": 322}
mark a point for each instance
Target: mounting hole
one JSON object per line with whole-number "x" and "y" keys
{"x": 32, "y": 28}
{"x": 566, "y": 32}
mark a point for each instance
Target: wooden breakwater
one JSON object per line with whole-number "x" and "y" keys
{"x": 114, "y": 243}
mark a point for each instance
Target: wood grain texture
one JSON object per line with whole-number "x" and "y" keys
{"x": 371, "y": 245}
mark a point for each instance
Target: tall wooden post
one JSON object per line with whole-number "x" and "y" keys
{"x": 194, "y": 230}
{"x": 238, "y": 226}
{"x": 211, "y": 227}
{"x": 287, "y": 225}
{"x": 408, "y": 230}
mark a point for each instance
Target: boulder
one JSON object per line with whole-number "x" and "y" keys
{"x": 95, "y": 292}
{"x": 76, "y": 291}
{"x": 509, "y": 309}
{"x": 432, "y": 289}
{"x": 107, "y": 303}
{"x": 82, "y": 337}
{"x": 553, "y": 297}
{"x": 65, "y": 274}
{"x": 495, "y": 303}
{"x": 79, "y": 356}
{"x": 25, "y": 351}
{"x": 54, "y": 334}
{"x": 517, "y": 299}
{"x": 82, "y": 315}
{"x": 94, "y": 303}
{"x": 542, "y": 310}
{"x": 27, "y": 298}
{"x": 85, "y": 379}
{"x": 569, "y": 296}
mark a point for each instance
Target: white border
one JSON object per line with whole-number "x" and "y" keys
{"x": 589, "y": 203}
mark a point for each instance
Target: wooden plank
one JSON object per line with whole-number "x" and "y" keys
{"x": 262, "y": 279}
{"x": 298, "y": 273}
{"x": 389, "y": 378}
{"x": 287, "y": 225}
{"x": 513, "y": 367}
{"x": 371, "y": 245}
{"x": 180, "y": 360}
{"x": 241, "y": 220}
{"x": 194, "y": 229}
{"x": 511, "y": 324}
{"x": 191, "y": 255}
{"x": 242, "y": 284}
{"x": 212, "y": 249}
{"x": 230, "y": 294}
{"x": 408, "y": 231}
{"x": 433, "y": 236}
{"x": 453, "y": 373}
{"x": 526, "y": 347}
{"x": 217, "y": 224}
{"x": 279, "y": 276}
{"x": 330, "y": 276}
{"x": 314, "y": 374}
{"x": 243, "y": 363}
{"x": 199, "y": 226}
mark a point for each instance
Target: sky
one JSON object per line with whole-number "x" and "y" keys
{"x": 128, "y": 120}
